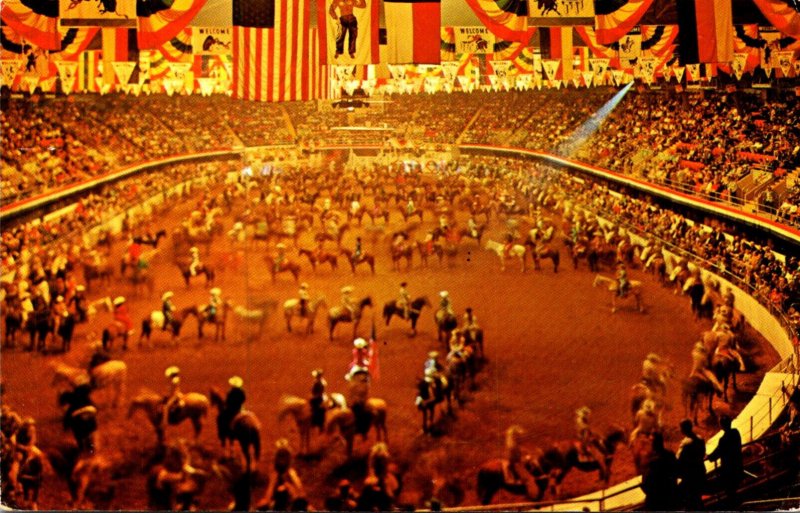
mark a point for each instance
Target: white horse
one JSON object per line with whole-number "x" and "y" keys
{"x": 635, "y": 291}
{"x": 517, "y": 250}
{"x": 291, "y": 308}
{"x": 111, "y": 375}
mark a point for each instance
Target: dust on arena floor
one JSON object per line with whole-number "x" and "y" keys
{"x": 552, "y": 345}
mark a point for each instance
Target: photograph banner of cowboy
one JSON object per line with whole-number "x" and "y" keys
{"x": 10, "y": 68}
{"x": 630, "y": 45}
{"x": 474, "y": 40}
{"x": 348, "y": 31}
{"x": 548, "y": 13}
{"x": 212, "y": 40}
{"x": 413, "y": 31}
{"x": 97, "y": 13}
{"x": 771, "y": 37}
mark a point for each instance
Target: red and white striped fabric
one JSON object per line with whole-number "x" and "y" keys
{"x": 272, "y": 64}
{"x": 318, "y": 76}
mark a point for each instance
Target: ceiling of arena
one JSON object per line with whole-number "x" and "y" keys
{"x": 456, "y": 12}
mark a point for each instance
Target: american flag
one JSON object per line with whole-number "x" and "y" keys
{"x": 278, "y": 63}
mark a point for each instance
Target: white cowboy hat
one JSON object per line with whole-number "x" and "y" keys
{"x": 347, "y": 289}
{"x": 119, "y": 300}
{"x": 316, "y": 373}
{"x": 215, "y": 291}
{"x": 583, "y": 411}
{"x": 194, "y": 249}
{"x": 168, "y": 294}
{"x": 304, "y": 285}
{"x": 80, "y": 288}
{"x": 81, "y": 379}
{"x": 236, "y": 382}
{"x": 172, "y": 371}
{"x": 175, "y": 380}
{"x": 653, "y": 357}
{"x": 444, "y": 293}
{"x": 360, "y": 343}
{"x": 238, "y": 226}
{"x": 281, "y": 245}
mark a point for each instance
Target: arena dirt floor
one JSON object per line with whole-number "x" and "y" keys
{"x": 552, "y": 344}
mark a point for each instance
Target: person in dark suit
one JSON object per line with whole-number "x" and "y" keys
{"x": 731, "y": 468}
{"x": 660, "y": 479}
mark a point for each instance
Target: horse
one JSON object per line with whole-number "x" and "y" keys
{"x": 218, "y": 321}
{"x": 157, "y": 321}
{"x": 12, "y": 321}
{"x": 694, "y": 389}
{"x": 100, "y": 270}
{"x": 300, "y": 410}
{"x": 400, "y": 251}
{"x": 724, "y": 366}
{"x": 113, "y": 331}
{"x": 245, "y": 428}
{"x": 345, "y": 421}
{"x": 429, "y": 394}
{"x": 635, "y": 291}
{"x": 151, "y": 240}
{"x": 337, "y": 314}
{"x": 111, "y": 375}
{"x": 446, "y": 322}
{"x": 287, "y": 266}
{"x": 365, "y": 258}
{"x": 492, "y": 478}
{"x": 541, "y": 251}
{"x": 333, "y": 237}
{"x": 426, "y": 250}
{"x": 193, "y": 406}
{"x": 202, "y": 269}
{"x": 408, "y": 215}
{"x": 319, "y": 257}
{"x": 391, "y": 309}
{"x": 517, "y": 251}
{"x": 82, "y": 422}
{"x": 255, "y": 316}
{"x": 378, "y": 213}
{"x": 459, "y": 369}
{"x": 141, "y": 278}
{"x": 467, "y": 233}
{"x": 563, "y": 456}
{"x": 291, "y": 308}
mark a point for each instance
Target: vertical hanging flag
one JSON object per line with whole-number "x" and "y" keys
{"x": 706, "y": 31}
{"x": 556, "y": 43}
{"x": 270, "y": 62}
{"x": 413, "y": 31}
{"x": 348, "y": 31}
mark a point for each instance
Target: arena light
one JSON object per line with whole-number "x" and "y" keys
{"x": 579, "y": 136}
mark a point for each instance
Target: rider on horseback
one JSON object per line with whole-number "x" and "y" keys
{"x": 472, "y": 226}
{"x": 357, "y": 252}
{"x": 195, "y": 264}
{"x": 281, "y": 256}
{"x": 347, "y": 299}
{"x": 362, "y": 355}
{"x": 167, "y": 307}
{"x": 700, "y": 368}
{"x": 623, "y": 285}
{"x": 508, "y": 245}
{"x": 134, "y": 252}
{"x": 726, "y": 346}
{"x": 433, "y": 362}
{"x": 646, "y": 420}
{"x": 456, "y": 345}
{"x": 513, "y": 472}
{"x": 174, "y": 399}
{"x": 80, "y": 302}
{"x": 214, "y": 302}
{"x": 121, "y": 314}
{"x": 654, "y": 374}
{"x": 404, "y": 299}
{"x": 470, "y": 324}
{"x": 318, "y": 399}
{"x": 233, "y": 406}
{"x": 410, "y": 207}
{"x": 446, "y": 304}
{"x": 303, "y": 297}
{"x": 588, "y": 441}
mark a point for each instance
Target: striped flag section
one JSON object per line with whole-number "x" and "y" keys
{"x": 413, "y": 31}
{"x": 272, "y": 64}
{"x": 706, "y": 31}
{"x": 318, "y": 76}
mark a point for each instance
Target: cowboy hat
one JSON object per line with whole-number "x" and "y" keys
{"x": 119, "y": 300}
{"x": 172, "y": 371}
{"x": 583, "y": 411}
{"x": 347, "y": 289}
{"x": 444, "y": 293}
{"x": 316, "y": 373}
{"x": 653, "y": 357}
{"x": 360, "y": 343}
{"x": 194, "y": 249}
{"x": 168, "y": 294}
{"x": 216, "y": 291}
{"x": 236, "y": 382}
{"x": 280, "y": 245}
{"x": 80, "y": 288}
{"x": 304, "y": 285}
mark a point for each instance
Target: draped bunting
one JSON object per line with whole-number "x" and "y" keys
{"x": 179, "y": 48}
{"x": 157, "y": 24}
{"x": 37, "y": 25}
{"x": 589, "y": 36}
{"x": 615, "y": 18}
{"x": 73, "y": 41}
{"x": 506, "y": 19}
{"x": 447, "y": 45}
{"x": 783, "y": 14}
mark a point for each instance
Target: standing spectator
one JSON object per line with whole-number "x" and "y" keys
{"x": 691, "y": 469}
{"x": 660, "y": 479}
{"x": 731, "y": 468}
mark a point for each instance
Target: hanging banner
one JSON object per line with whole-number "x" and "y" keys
{"x": 343, "y": 73}
{"x": 598, "y": 65}
{"x": 618, "y": 75}
{"x": 550, "y": 68}
{"x": 179, "y": 70}
{"x": 450, "y": 69}
{"x": 212, "y": 40}
{"x": 679, "y": 72}
{"x": 348, "y": 31}
{"x": 10, "y": 69}
{"x": 648, "y": 68}
{"x": 502, "y": 68}
{"x": 588, "y": 76}
{"x": 550, "y": 13}
{"x": 692, "y": 72}
{"x": 97, "y": 13}
{"x": 771, "y": 41}
{"x": 630, "y": 45}
{"x": 29, "y": 83}
{"x": 739, "y": 64}
{"x": 123, "y": 71}
{"x": 67, "y": 72}
{"x": 785, "y": 60}
{"x": 475, "y": 40}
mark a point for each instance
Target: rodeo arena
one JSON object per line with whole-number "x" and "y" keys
{"x": 492, "y": 255}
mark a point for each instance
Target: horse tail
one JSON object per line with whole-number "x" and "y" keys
{"x": 146, "y": 329}
{"x": 106, "y": 338}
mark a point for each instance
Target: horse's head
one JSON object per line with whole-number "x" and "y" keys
{"x": 365, "y": 302}
{"x": 420, "y": 302}
{"x": 614, "y": 436}
{"x": 216, "y": 398}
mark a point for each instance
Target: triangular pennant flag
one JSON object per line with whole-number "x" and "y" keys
{"x": 617, "y": 75}
{"x": 739, "y": 63}
{"x": 796, "y": 68}
{"x": 647, "y": 67}
{"x": 576, "y": 82}
{"x": 785, "y": 59}
{"x": 556, "y": 83}
{"x": 598, "y": 65}
{"x": 587, "y": 77}
{"x": 550, "y": 68}
{"x": 168, "y": 87}
{"x": 768, "y": 70}
{"x": 10, "y": 69}
{"x": 67, "y": 72}
{"x": 679, "y": 73}
{"x": 29, "y": 82}
{"x": 135, "y": 89}
{"x": 450, "y": 69}
{"x": 502, "y": 68}
{"x": 463, "y": 81}
{"x": 48, "y": 85}
{"x": 667, "y": 72}
{"x": 206, "y": 86}
{"x": 179, "y": 69}
{"x": 692, "y": 72}
{"x": 123, "y": 71}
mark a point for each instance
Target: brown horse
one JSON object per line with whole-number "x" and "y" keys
{"x": 245, "y": 428}
{"x": 193, "y": 407}
{"x": 425, "y": 250}
{"x": 287, "y": 266}
{"x": 492, "y": 478}
{"x": 635, "y": 291}
{"x": 291, "y": 308}
{"x": 337, "y": 314}
{"x": 319, "y": 257}
{"x": 692, "y": 394}
{"x": 365, "y": 258}
{"x": 218, "y": 321}
{"x": 467, "y": 233}
{"x": 400, "y": 251}
{"x": 342, "y": 420}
